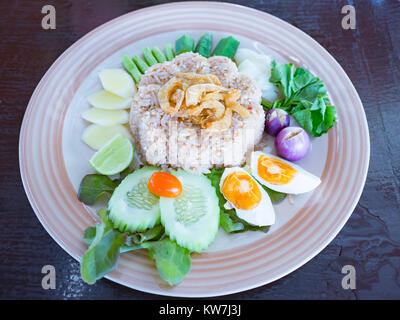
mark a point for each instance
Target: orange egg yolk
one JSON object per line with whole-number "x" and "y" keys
{"x": 164, "y": 184}
{"x": 241, "y": 190}
{"x": 274, "y": 170}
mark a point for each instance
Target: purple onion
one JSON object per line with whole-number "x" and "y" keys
{"x": 275, "y": 120}
{"x": 292, "y": 143}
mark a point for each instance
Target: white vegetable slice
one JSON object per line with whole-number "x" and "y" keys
{"x": 96, "y": 136}
{"x": 118, "y": 81}
{"x": 243, "y": 54}
{"x": 109, "y": 101}
{"x": 249, "y": 69}
{"x": 261, "y": 61}
{"x": 258, "y": 67}
{"x": 105, "y": 117}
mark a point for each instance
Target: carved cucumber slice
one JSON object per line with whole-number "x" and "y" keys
{"x": 132, "y": 206}
{"x": 192, "y": 219}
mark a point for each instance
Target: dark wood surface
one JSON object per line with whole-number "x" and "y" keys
{"x": 371, "y": 238}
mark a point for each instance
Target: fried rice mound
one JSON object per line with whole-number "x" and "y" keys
{"x": 167, "y": 141}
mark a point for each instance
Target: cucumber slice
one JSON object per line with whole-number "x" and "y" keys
{"x": 192, "y": 219}
{"x": 226, "y": 47}
{"x": 148, "y": 56}
{"x": 169, "y": 52}
{"x": 204, "y": 45}
{"x": 132, "y": 206}
{"x": 184, "y": 44}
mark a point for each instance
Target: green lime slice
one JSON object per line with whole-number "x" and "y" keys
{"x": 115, "y": 156}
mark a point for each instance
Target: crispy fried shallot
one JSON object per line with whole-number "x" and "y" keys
{"x": 201, "y": 99}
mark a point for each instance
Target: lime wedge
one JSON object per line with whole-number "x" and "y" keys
{"x": 115, "y": 156}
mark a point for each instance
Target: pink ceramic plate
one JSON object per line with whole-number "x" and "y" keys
{"x": 53, "y": 159}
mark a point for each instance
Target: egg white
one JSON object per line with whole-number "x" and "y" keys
{"x": 263, "y": 214}
{"x": 302, "y": 182}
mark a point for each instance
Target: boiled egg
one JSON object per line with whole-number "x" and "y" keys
{"x": 243, "y": 193}
{"x": 281, "y": 175}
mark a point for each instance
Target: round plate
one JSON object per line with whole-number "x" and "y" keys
{"x": 50, "y": 143}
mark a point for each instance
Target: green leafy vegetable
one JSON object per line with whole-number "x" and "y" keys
{"x": 105, "y": 244}
{"x": 172, "y": 261}
{"x": 89, "y": 235}
{"x": 266, "y": 105}
{"x": 135, "y": 240}
{"x": 305, "y": 98}
{"x": 93, "y": 186}
{"x": 154, "y": 233}
{"x": 228, "y": 218}
{"x": 123, "y": 174}
{"x": 275, "y": 196}
{"x": 90, "y": 232}
{"x": 102, "y": 255}
{"x": 231, "y": 222}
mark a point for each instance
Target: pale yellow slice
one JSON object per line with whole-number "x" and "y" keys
{"x": 117, "y": 81}
{"x": 96, "y": 136}
{"x": 109, "y": 101}
{"x": 105, "y": 117}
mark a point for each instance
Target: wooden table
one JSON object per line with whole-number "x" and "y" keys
{"x": 370, "y": 240}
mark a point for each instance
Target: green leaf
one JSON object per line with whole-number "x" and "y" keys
{"x": 309, "y": 93}
{"x": 90, "y": 232}
{"x": 301, "y": 79}
{"x": 172, "y": 261}
{"x": 123, "y": 174}
{"x": 266, "y": 105}
{"x": 93, "y": 186}
{"x": 102, "y": 254}
{"x": 105, "y": 244}
{"x": 89, "y": 235}
{"x": 103, "y": 251}
{"x": 227, "y": 221}
{"x": 154, "y": 233}
{"x": 228, "y": 218}
{"x": 132, "y": 241}
{"x": 233, "y": 224}
{"x": 305, "y": 98}
{"x": 282, "y": 75}
{"x": 275, "y": 196}
{"x": 303, "y": 118}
